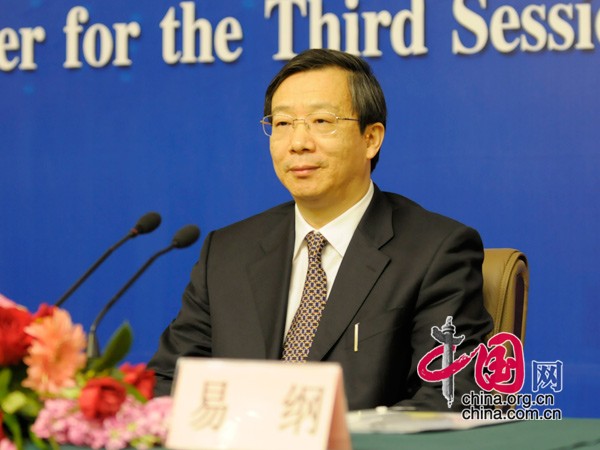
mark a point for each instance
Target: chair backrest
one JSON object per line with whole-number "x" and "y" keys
{"x": 505, "y": 289}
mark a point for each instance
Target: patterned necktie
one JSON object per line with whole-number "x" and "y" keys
{"x": 306, "y": 320}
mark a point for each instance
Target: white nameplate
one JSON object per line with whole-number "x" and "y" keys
{"x": 258, "y": 405}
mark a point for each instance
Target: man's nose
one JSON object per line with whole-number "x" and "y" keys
{"x": 302, "y": 139}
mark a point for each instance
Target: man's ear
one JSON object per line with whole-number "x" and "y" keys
{"x": 373, "y": 135}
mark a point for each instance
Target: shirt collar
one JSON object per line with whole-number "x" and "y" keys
{"x": 340, "y": 230}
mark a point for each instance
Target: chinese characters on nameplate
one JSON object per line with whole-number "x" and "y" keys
{"x": 252, "y": 405}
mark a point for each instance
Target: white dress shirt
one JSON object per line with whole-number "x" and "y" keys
{"x": 338, "y": 233}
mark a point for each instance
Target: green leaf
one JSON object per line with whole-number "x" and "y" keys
{"x": 37, "y": 442}
{"x": 13, "y": 402}
{"x": 54, "y": 444}
{"x": 5, "y": 377}
{"x": 12, "y": 424}
{"x": 71, "y": 393}
{"x": 23, "y": 403}
{"x": 146, "y": 441}
{"x": 131, "y": 390}
{"x": 31, "y": 407}
{"x": 116, "y": 349}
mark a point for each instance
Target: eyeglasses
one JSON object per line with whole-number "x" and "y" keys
{"x": 321, "y": 123}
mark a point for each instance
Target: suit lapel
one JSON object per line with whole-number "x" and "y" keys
{"x": 269, "y": 276}
{"x": 361, "y": 267}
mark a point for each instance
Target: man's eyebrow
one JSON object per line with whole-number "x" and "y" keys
{"x": 315, "y": 106}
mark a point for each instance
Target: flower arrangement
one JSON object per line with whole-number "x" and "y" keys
{"x": 52, "y": 394}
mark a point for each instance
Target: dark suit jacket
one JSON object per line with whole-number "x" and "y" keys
{"x": 405, "y": 270}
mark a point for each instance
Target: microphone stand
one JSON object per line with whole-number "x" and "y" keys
{"x": 91, "y": 270}
{"x": 146, "y": 224}
{"x": 93, "y": 347}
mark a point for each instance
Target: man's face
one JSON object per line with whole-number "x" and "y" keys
{"x": 322, "y": 172}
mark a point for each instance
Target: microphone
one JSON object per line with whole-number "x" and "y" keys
{"x": 185, "y": 237}
{"x": 146, "y": 224}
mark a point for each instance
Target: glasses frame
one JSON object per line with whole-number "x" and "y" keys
{"x": 266, "y": 121}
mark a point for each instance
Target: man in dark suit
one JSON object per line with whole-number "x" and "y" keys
{"x": 385, "y": 273}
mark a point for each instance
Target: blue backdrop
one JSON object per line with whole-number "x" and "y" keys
{"x": 493, "y": 111}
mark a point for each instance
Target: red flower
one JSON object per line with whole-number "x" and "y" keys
{"x": 140, "y": 378}
{"x": 2, "y": 436}
{"x": 101, "y": 398}
{"x": 13, "y": 339}
{"x": 44, "y": 310}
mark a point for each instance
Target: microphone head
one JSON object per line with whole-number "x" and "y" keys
{"x": 147, "y": 223}
{"x": 186, "y": 236}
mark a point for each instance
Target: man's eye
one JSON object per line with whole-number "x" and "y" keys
{"x": 323, "y": 120}
{"x": 281, "y": 123}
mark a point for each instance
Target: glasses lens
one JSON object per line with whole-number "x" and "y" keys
{"x": 278, "y": 125}
{"x": 281, "y": 125}
{"x": 321, "y": 123}
{"x": 267, "y": 125}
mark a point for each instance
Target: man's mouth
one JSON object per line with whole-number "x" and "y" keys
{"x": 303, "y": 169}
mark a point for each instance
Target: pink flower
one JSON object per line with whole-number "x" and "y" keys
{"x": 5, "y": 444}
{"x": 139, "y": 425}
{"x": 6, "y": 303}
{"x": 56, "y": 353}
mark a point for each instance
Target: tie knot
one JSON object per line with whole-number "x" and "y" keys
{"x": 316, "y": 242}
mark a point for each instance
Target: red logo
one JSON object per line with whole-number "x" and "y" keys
{"x": 495, "y": 368}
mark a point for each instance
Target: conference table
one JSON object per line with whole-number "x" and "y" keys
{"x": 563, "y": 434}
{"x": 580, "y": 434}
